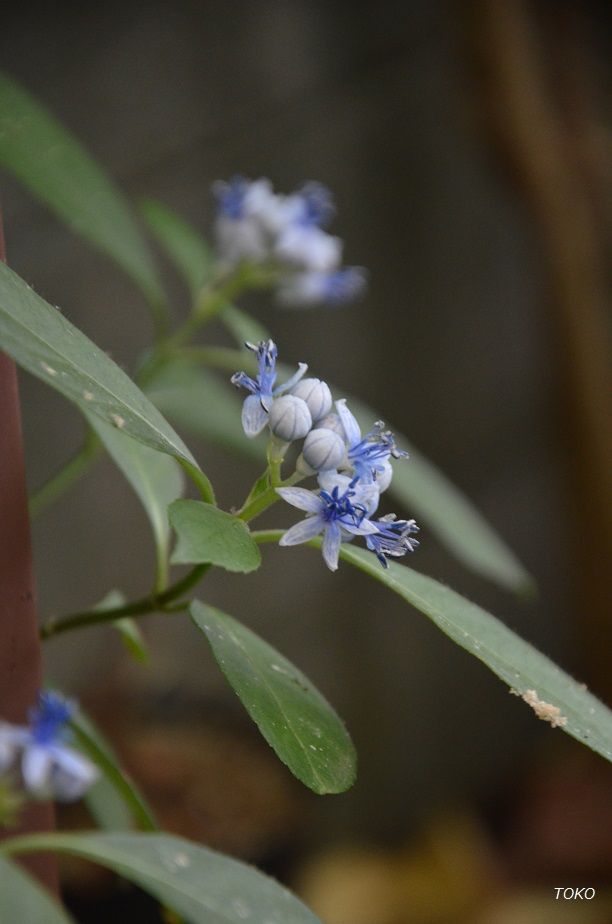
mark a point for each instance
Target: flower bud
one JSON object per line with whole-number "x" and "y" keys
{"x": 317, "y": 396}
{"x": 324, "y": 450}
{"x": 290, "y": 418}
{"x": 332, "y": 422}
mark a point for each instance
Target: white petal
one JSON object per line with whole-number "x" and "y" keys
{"x": 365, "y": 528}
{"x": 351, "y": 427}
{"x": 331, "y": 480}
{"x": 254, "y": 418}
{"x": 295, "y": 378}
{"x": 36, "y": 767}
{"x": 331, "y": 545}
{"x": 368, "y": 495}
{"x": 73, "y": 774}
{"x": 303, "y": 531}
{"x": 301, "y": 498}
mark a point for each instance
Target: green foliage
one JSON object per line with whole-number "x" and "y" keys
{"x": 56, "y": 168}
{"x": 200, "y": 884}
{"x": 23, "y": 900}
{"x": 195, "y": 399}
{"x": 132, "y": 638}
{"x": 296, "y": 721}
{"x": 242, "y": 326}
{"x": 209, "y": 535}
{"x": 45, "y": 343}
{"x": 114, "y": 800}
{"x": 155, "y": 477}
{"x": 184, "y": 245}
{"x": 515, "y": 661}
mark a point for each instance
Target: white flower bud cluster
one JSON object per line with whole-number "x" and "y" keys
{"x": 301, "y": 409}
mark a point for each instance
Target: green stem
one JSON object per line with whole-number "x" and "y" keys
{"x": 154, "y": 603}
{"x": 266, "y": 498}
{"x": 61, "y": 481}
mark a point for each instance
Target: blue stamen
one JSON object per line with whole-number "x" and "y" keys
{"x": 393, "y": 539}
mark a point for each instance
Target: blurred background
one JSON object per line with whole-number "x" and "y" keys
{"x": 469, "y": 149}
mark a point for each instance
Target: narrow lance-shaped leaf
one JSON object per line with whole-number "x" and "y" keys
{"x": 186, "y": 248}
{"x": 23, "y": 900}
{"x": 45, "y": 343}
{"x": 155, "y": 477}
{"x": 197, "y": 400}
{"x": 114, "y": 800}
{"x": 57, "y": 169}
{"x": 209, "y": 535}
{"x": 553, "y": 694}
{"x": 200, "y": 884}
{"x": 291, "y": 714}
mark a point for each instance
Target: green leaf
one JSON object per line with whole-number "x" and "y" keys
{"x": 133, "y": 638}
{"x": 518, "y": 663}
{"x": 155, "y": 477}
{"x": 296, "y": 721}
{"x": 212, "y": 536}
{"x": 42, "y": 341}
{"x": 195, "y": 399}
{"x": 242, "y": 326}
{"x": 114, "y": 800}
{"x": 22, "y": 899}
{"x": 184, "y": 245}
{"x": 202, "y": 885}
{"x": 53, "y": 165}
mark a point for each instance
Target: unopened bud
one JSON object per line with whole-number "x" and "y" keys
{"x": 332, "y": 422}
{"x": 324, "y": 450}
{"x": 290, "y": 418}
{"x": 317, "y": 396}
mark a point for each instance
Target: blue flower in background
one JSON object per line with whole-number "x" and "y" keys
{"x": 285, "y": 234}
{"x": 49, "y": 767}
{"x": 337, "y": 287}
{"x": 256, "y": 406}
{"x": 332, "y": 513}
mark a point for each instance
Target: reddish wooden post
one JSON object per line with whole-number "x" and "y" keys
{"x": 20, "y": 651}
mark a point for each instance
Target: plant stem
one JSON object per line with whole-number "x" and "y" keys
{"x": 266, "y": 498}
{"x": 61, "y": 481}
{"x": 153, "y": 603}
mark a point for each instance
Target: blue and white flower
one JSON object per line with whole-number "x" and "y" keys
{"x": 369, "y": 454}
{"x": 256, "y": 406}
{"x": 393, "y": 538}
{"x": 332, "y": 513}
{"x": 285, "y": 233}
{"x": 50, "y": 768}
{"x": 317, "y": 287}
{"x": 246, "y": 214}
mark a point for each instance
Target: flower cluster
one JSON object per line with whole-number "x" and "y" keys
{"x": 352, "y": 469}
{"x": 49, "y": 768}
{"x": 285, "y": 233}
